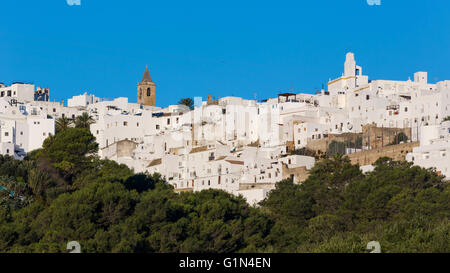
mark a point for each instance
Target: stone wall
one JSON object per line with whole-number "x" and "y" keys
{"x": 372, "y": 136}
{"x": 125, "y": 148}
{"x": 300, "y": 173}
{"x": 396, "y": 152}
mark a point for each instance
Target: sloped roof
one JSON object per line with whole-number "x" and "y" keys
{"x": 199, "y": 149}
{"x": 147, "y": 77}
{"x": 236, "y": 162}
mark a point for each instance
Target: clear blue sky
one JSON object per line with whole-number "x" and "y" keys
{"x": 220, "y": 47}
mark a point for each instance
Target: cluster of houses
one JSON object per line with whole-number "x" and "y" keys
{"x": 244, "y": 146}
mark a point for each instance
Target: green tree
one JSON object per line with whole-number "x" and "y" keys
{"x": 399, "y": 138}
{"x": 84, "y": 121}
{"x": 189, "y": 102}
{"x": 71, "y": 151}
{"x": 62, "y": 124}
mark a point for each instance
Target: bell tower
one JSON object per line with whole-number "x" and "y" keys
{"x": 146, "y": 90}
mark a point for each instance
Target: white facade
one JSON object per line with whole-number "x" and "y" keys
{"x": 21, "y": 132}
{"x": 19, "y": 91}
{"x": 82, "y": 100}
{"x": 234, "y": 144}
{"x": 434, "y": 149}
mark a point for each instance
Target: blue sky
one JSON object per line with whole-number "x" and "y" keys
{"x": 220, "y": 47}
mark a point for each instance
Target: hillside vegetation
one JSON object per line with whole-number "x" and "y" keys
{"x": 64, "y": 192}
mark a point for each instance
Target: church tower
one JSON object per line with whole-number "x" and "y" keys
{"x": 146, "y": 90}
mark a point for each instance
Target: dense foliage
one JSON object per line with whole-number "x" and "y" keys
{"x": 63, "y": 192}
{"x": 189, "y": 102}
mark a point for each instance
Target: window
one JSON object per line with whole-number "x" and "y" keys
{"x": 149, "y": 92}
{"x": 168, "y": 121}
{"x": 9, "y": 93}
{"x": 406, "y": 109}
{"x": 367, "y": 97}
{"x": 125, "y": 123}
{"x": 6, "y": 134}
{"x": 157, "y": 127}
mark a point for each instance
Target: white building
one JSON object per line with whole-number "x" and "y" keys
{"x": 82, "y": 100}
{"x": 434, "y": 149}
{"x": 237, "y": 145}
{"x": 19, "y": 91}
{"x": 21, "y": 132}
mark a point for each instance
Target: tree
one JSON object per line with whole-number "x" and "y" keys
{"x": 187, "y": 102}
{"x": 399, "y": 138}
{"x": 109, "y": 208}
{"x": 447, "y": 118}
{"x": 62, "y": 124}
{"x": 304, "y": 151}
{"x": 84, "y": 121}
{"x": 71, "y": 151}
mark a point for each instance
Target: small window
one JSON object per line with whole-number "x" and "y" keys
{"x": 125, "y": 123}
{"x": 149, "y": 92}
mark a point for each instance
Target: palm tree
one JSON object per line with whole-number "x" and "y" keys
{"x": 84, "y": 121}
{"x": 62, "y": 124}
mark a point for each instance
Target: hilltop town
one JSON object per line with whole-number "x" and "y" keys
{"x": 244, "y": 146}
